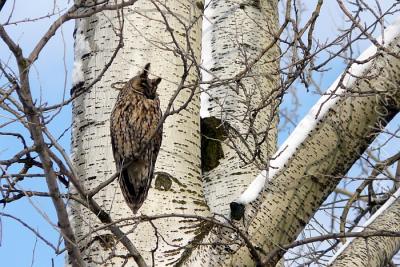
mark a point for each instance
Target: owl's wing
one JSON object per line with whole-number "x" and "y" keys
{"x": 126, "y": 135}
{"x": 154, "y": 148}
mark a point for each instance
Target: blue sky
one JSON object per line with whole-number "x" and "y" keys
{"x": 50, "y": 78}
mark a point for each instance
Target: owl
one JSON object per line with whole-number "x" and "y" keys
{"x": 136, "y": 136}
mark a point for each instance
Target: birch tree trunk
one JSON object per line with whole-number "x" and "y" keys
{"x": 245, "y": 106}
{"x": 159, "y": 34}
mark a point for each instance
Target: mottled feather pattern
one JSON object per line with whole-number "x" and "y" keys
{"x": 135, "y": 138}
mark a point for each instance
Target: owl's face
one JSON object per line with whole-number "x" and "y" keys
{"x": 143, "y": 85}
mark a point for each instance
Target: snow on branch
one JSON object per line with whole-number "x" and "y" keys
{"x": 316, "y": 114}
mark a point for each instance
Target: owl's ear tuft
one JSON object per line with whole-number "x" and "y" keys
{"x": 157, "y": 81}
{"x": 153, "y": 83}
{"x": 145, "y": 72}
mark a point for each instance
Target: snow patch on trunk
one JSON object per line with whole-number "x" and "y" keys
{"x": 207, "y": 59}
{"x": 82, "y": 47}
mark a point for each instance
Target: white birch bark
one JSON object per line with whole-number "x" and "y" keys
{"x": 240, "y": 31}
{"x": 374, "y": 250}
{"x": 177, "y": 186}
{"x": 310, "y": 173}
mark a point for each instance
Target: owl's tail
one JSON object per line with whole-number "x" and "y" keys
{"x": 135, "y": 183}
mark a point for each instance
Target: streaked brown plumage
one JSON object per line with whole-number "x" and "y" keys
{"x": 135, "y": 139}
